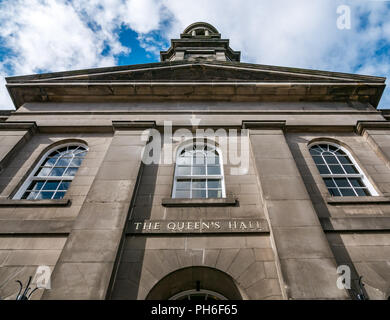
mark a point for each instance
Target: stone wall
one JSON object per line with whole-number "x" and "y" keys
{"x": 307, "y": 230}
{"x": 33, "y": 236}
{"x": 357, "y": 231}
{"x": 248, "y": 259}
{"x": 20, "y": 256}
{"x": 367, "y": 254}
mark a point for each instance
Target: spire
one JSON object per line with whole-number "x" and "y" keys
{"x": 200, "y": 41}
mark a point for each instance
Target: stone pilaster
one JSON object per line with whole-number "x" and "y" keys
{"x": 86, "y": 263}
{"x": 13, "y": 135}
{"x": 377, "y": 134}
{"x": 307, "y": 265}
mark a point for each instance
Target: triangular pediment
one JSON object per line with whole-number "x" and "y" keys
{"x": 196, "y": 71}
{"x": 198, "y": 80}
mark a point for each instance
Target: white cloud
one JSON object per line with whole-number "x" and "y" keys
{"x": 299, "y": 33}
{"x": 142, "y": 16}
{"x": 53, "y": 35}
{"x": 49, "y": 36}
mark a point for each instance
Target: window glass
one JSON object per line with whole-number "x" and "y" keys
{"x": 194, "y": 165}
{"x": 52, "y": 177}
{"x": 341, "y": 176}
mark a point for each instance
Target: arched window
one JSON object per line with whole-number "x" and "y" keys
{"x": 199, "y": 172}
{"x": 53, "y": 174}
{"x": 342, "y": 175}
{"x": 198, "y": 295}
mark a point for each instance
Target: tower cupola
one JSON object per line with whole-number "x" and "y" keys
{"x": 200, "y": 41}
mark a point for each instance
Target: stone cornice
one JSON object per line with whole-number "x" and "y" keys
{"x": 30, "y": 126}
{"x": 253, "y": 91}
{"x": 320, "y": 128}
{"x": 362, "y": 126}
{"x": 133, "y": 125}
{"x": 353, "y": 224}
{"x": 203, "y": 112}
{"x": 195, "y": 81}
{"x": 86, "y": 73}
{"x": 385, "y": 113}
{"x": 249, "y": 124}
{"x": 4, "y": 114}
{"x": 76, "y": 128}
{"x": 284, "y": 126}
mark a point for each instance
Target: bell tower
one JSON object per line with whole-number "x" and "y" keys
{"x": 200, "y": 41}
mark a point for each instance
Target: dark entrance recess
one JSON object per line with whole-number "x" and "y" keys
{"x": 195, "y": 279}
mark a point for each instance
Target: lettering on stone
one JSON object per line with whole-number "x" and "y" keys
{"x": 198, "y": 226}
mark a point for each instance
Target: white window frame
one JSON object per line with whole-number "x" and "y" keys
{"x": 22, "y": 189}
{"x": 201, "y": 291}
{"x": 360, "y": 175}
{"x": 201, "y": 177}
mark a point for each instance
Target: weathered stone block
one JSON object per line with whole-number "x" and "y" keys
{"x": 301, "y": 243}
{"x": 91, "y": 246}
{"x": 263, "y": 289}
{"x": 226, "y": 258}
{"x": 312, "y": 279}
{"x": 243, "y": 260}
{"x": 102, "y": 216}
{"x": 284, "y": 188}
{"x": 292, "y": 213}
{"x": 75, "y": 281}
{"x": 111, "y": 190}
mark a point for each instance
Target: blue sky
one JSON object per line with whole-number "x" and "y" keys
{"x": 54, "y": 35}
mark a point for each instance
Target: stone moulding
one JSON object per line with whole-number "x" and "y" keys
{"x": 246, "y": 124}
{"x": 28, "y": 129}
{"x": 362, "y": 126}
{"x": 249, "y": 124}
{"x": 139, "y": 125}
{"x": 36, "y": 227}
{"x": 190, "y": 112}
{"x": 33, "y": 128}
{"x": 357, "y": 200}
{"x": 218, "y": 202}
{"x": 133, "y": 125}
{"x": 30, "y": 126}
{"x": 192, "y": 91}
{"x": 353, "y": 224}
{"x": 35, "y": 203}
{"x": 284, "y": 126}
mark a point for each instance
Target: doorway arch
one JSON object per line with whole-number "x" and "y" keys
{"x": 196, "y": 281}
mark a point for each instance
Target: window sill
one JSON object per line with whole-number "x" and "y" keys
{"x": 35, "y": 203}
{"x": 357, "y": 200}
{"x": 220, "y": 202}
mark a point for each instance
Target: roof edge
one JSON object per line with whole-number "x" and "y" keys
{"x": 43, "y": 76}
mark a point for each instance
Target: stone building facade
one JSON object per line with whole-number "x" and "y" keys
{"x": 275, "y": 224}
